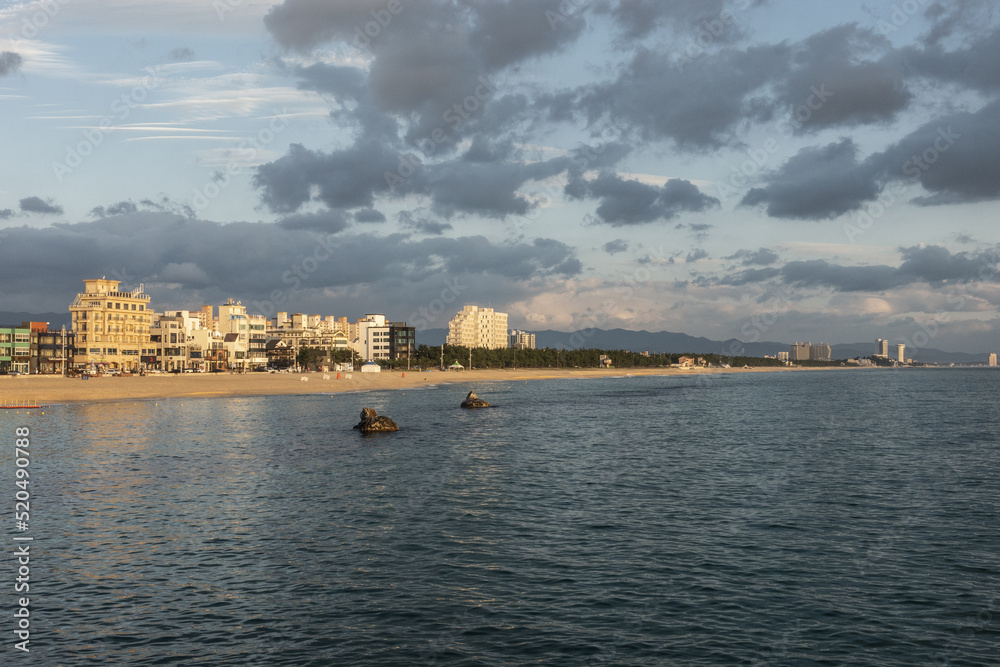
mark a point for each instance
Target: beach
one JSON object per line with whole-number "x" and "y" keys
{"x": 51, "y": 389}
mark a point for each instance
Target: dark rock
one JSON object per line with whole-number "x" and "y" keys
{"x": 372, "y": 423}
{"x": 473, "y": 401}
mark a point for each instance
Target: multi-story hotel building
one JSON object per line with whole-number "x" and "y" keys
{"x": 111, "y": 327}
{"x": 478, "y": 327}
{"x": 993, "y": 359}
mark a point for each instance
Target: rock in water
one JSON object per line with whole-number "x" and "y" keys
{"x": 372, "y": 423}
{"x": 473, "y": 401}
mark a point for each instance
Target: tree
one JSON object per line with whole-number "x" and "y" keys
{"x": 308, "y": 356}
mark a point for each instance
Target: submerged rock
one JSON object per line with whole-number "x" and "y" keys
{"x": 473, "y": 401}
{"x": 372, "y": 423}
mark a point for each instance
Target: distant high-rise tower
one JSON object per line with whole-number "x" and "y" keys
{"x": 901, "y": 353}
{"x": 993, "y": 359}
{"x": 881, "y": 348}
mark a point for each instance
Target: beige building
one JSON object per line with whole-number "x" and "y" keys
{"x": 111, "y": 327}
{"x": 993, "y": 359}
{"x": 478, "y": 327}
{"x": 522, "y": 340}
{"x": 901, "y": 353}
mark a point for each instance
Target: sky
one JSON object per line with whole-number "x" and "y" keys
{"x": 776, "y": 170}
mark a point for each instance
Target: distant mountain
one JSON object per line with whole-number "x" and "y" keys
{"x": 666, "y": 341}
{"x": 55, "y": 320}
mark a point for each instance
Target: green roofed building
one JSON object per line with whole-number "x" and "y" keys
{"x": 15, "y": 349}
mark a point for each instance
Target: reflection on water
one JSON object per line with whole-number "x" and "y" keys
{"x": 766, "y": 519}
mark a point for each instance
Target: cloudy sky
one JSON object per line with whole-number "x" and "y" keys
{"x": 755, "y": 169}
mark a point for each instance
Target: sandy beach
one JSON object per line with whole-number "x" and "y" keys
{"x": 49, "y": 390}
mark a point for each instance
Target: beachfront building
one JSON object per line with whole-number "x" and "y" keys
{"x": 15, "y": 349}
{"x": 993, "y": 360}
{"x": 808, "y": 351}
{"x": 799, "y": 351}
{"x": 111, "y": 326}
{"x": 900, "y": 353}
{"x": 882, "y": 348}
{"x": 51, "y": 351}
{"x": 327, "y": 339}
{"x": 821, "y": 352}
{"x": 478, "y": 327}
{"x": 522, "y": 340}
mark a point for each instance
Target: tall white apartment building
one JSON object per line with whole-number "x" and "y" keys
{"x": 478, "y": 327}
{"x": 993, "y": 359}
{"x": 901, "y": 353}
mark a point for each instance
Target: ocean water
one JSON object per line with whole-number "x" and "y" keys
{"x": 809, "y": 518}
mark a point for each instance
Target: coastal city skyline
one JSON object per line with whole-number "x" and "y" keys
{"x": 735, "y": 170}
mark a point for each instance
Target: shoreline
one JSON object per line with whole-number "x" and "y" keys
{"x": 48, "y": 390}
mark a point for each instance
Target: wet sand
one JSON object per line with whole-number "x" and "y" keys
{"x": 49, "y": 390}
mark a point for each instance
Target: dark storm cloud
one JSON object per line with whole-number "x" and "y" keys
{"x": 630, "y": 202}
{"x": 352, "y": 177}
{"x": 516, "y": 30}
{"x": 696, "y": 106}
{"x": 955, "y": 158}
{"x": 844, "y": 76}
{"x": 761, "y": 257}
{"x": 695, "y": 255}
{"x": 369, "y": 215}
{"x": 615, "y": 247}
{"x": 10, "y": 62}
{"x": 347, "y": 178}
{"x": 40, "y": 206}
{"x": 973, "y": 66}
{"x": 433, "y": 63}
{"x": 934, "y": 265}
{"x": 816, "y": 184}
{"x": 120, "y": 208}
{"x": 186, "y": 260}
{"x": 638, "y": 18}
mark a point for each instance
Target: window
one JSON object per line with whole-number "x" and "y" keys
{"x": 95, "y": 350}
{"x": 133, "y": 306}
{"x": 22, "y": 338}
{"x": 118, "y": 306}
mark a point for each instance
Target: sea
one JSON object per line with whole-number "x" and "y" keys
{"x": 846, "y": 517}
